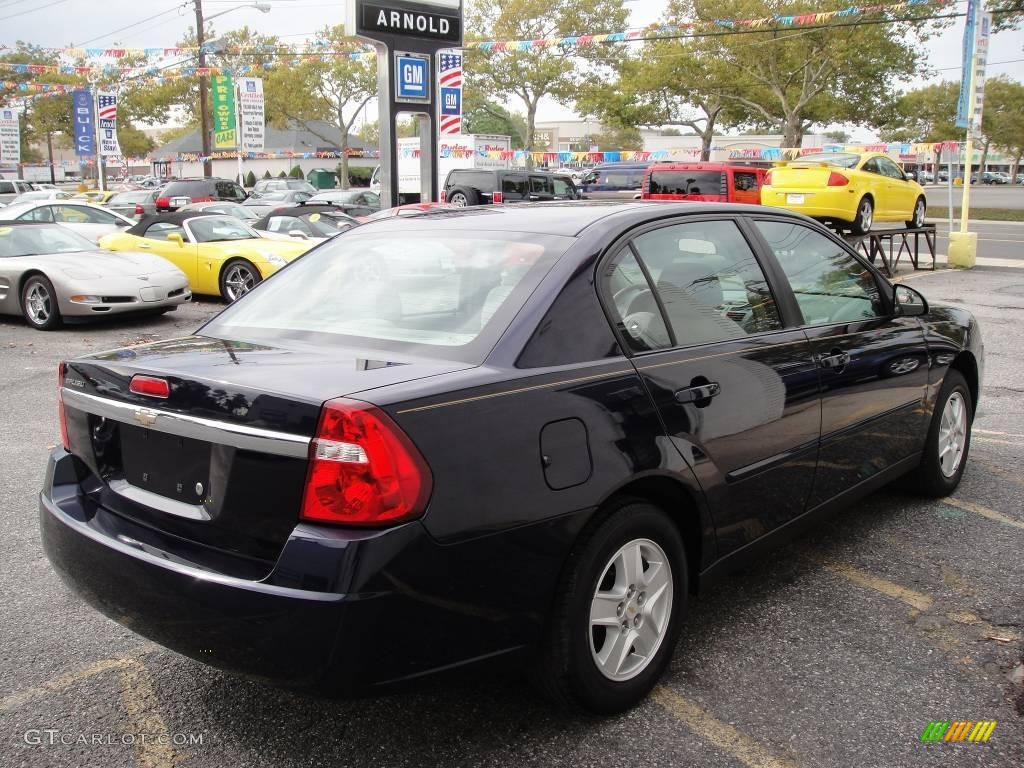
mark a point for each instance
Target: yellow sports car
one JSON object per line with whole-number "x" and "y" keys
{"x": 849, "y": 190}
{"x": 219, "y": 254}
{"x": 95, "y": 196}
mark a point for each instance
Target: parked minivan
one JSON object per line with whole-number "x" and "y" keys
{"x": 614, "y": 181}
{"x": 11, "y": 188}
{"x": 704, "y": 182}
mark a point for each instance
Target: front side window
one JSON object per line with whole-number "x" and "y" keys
{"x": 42, "y": 213}
{"x": 539, "y": 185}
{"x": 563, "y": 188}
{"x": 219, "y": 229}
{"x": 708, "y": 281}
{"x": 830, "y": 284}
{"x": 162, "y": 229}
{"x": 889, "y": 168}
{"x": 745, "y": 181}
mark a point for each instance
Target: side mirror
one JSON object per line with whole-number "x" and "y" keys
{"x": 174, "y": 237}
{"x": 908, "y": 302}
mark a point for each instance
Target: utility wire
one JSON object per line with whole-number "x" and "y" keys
{"x": 129, "y": 26}
{"x": 32, "y": 10}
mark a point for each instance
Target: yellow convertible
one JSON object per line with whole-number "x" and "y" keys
{"x": 849, "y": 190}
{"x": 219, "y": 254}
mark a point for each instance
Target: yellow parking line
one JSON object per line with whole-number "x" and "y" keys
{"x": 991, "y": 514}
{"x": 709, "y": 728}
{"x": 995, "y": 440}
{"x": 863, "y": 579}
{"x": 143, "y": 711}
{"x": 62, "y": 682}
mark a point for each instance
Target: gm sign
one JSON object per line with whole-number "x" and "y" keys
{"x": 412, "y": 77}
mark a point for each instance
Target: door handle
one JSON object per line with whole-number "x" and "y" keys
{"x": 836, "y": 359}
{"x": 144, "y": 246}
{"x": 698, "y": 392}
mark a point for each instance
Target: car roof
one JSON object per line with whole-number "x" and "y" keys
{"x": 567, "y": 218}
{"x": 15, "y": 223}
{"x": 704, "y": 166}
{"x": 305, "y": 210}
{"x": 176, "y": 217}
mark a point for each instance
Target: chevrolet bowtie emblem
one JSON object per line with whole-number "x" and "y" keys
{"x": 145, "y": 417}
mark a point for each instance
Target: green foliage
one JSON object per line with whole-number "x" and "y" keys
{"x": 1002, "y": 120}
{"x": 612, "y": 139}
{"x": 482, "y": 115}
{"x": 359, "y": 176}
{"x": 528, "y": 76}
{"x": 250, "y": 179}
{"x": 296, "y": 173}
{"x": 793, "y": 78}
{"x": 1006, "y": 15}
{"x": 334, "y": 89}
{"x": 282, "y": 175}
{"x": 266, "y": 175}
{"x": 837, "y": 137}
{"x": 134, "y": 143}
{"x": 923, "y": 114}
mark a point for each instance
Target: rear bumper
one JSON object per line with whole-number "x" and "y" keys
{"x": 342, "y": 611}
{"x": 818, "y": 203}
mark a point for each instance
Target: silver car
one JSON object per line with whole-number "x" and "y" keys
{"x": 133, "y": 204}
{"x": 49, "y": 273}
{"x": 89, "y": 220}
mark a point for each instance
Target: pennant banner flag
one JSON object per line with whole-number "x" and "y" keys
{"x": 84, "y": 119}
{"x": 223, "y": 93}
{"x": 10, "y": 136}
{"x": 252, "y": 113}
{"x": 106, "y": 114}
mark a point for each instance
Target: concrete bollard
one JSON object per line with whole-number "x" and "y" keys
{"x": 963, "y": 249}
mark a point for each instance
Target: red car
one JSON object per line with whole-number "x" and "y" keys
{"x": 406, "y": 210}
{"x": 704, "y": 182}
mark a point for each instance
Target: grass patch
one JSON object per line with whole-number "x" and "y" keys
{"x": 980, "y": 214}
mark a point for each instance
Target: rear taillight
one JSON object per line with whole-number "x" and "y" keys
{"x": 139, "y": 210}
{"x": 163, "y": 202}
{"x": 441, "y": 196}
{"x": 498, "y": 197}
{"x": 363, "y": 469}
{"x": 837, "y": 180}
{"x": 150, "y": 386}
{"x": 61, "y": 414}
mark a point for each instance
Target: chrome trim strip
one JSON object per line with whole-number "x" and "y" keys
{"x": 208, "y": 430}
{"x": 155, "y": 501}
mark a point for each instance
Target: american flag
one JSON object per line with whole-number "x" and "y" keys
{"x": 107, "y": 106}
{"x": 449, "y": 75}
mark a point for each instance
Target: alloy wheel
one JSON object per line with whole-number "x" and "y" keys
{"x": 239, "y": 281}
{"x": 919, "y": 210}
{"x": 866, "y": 215}
{"x": 631, "y": 609}
{"x": 458, "y": 200}
{"x": 39, "y": 303}
{"x": 952, "y": 434}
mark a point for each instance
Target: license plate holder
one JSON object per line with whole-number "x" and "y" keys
{"x": 171, "y": 466}
{"x": 178, "y": 202}
{"x": 794, "y": 199}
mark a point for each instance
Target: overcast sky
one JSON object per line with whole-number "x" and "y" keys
{"x": 160, "y": 23}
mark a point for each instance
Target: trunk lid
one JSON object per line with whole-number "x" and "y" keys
{"x": 221, "y": 462}
{"x": 802, "y": 176}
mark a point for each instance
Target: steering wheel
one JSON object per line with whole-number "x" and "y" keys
{"x": 627, "y": 297}
{"x": 641, "y": 327}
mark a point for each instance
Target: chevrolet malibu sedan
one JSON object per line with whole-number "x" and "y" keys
{"x": 530, "y": 432}
{"x": 49, "y": 274}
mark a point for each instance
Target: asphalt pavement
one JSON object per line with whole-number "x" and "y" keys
{"x": 836, "y": 651}
{"x": 982, "y": 196}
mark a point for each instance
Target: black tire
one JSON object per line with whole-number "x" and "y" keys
{"x": 865, "y": 216}
{"x": 463, "y": 196}
{"x": 231, "y": 289}
{"x": 566, "y": 670}
{"x": 920, "y": 209}
{"x": 929, "y": 479}
{"x": 39, "y": 304}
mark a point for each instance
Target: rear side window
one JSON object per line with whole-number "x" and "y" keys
{"x": 687, "y": 183}
{"x": 482, "y": 181}
{"x": 744, "y": 181}
{"x": 513, "y": 187}
{"x": 6, "y": 188}
{"x": 441, "y": 294}
{"x": 540, "y": 185}
{"x": 187, "y": 189}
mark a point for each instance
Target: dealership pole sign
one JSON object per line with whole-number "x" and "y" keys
{"x": 222, "y": 92}
{"x": 252, "y": 114}
{"x": 408, "y": 36}
{"x": 84, "y": 118}
{"x": 10, "y": 136}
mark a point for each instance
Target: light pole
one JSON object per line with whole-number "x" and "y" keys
{"x": 204, "y": 108}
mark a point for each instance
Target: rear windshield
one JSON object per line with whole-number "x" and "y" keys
{"x": 842, "y": 159}
{"x": 442, "y": 294}
{"x": 187, "y": 189}
{"x": 129, "y": 197}
{"x": 687, "y": 183}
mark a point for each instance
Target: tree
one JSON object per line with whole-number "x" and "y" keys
{"x": 669, "y": 82}
{"x": 332, "y": 88}
{"x": 529, "y": 76}
{"x": 837, "y": 137}
{"x": 793, "y": 78}
{"x": 296, "y": 173}
{"x": 266, "y": 175}
{"x": 1006, "y": 14}
{"x": 250, "y": 179}
{"x": 613, "y": 139}
{"x": 1002, "y": 120}
{"x": 483, "y": 115}
{"x": 134, "y": 143}
{"x": 923, "y": 114}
